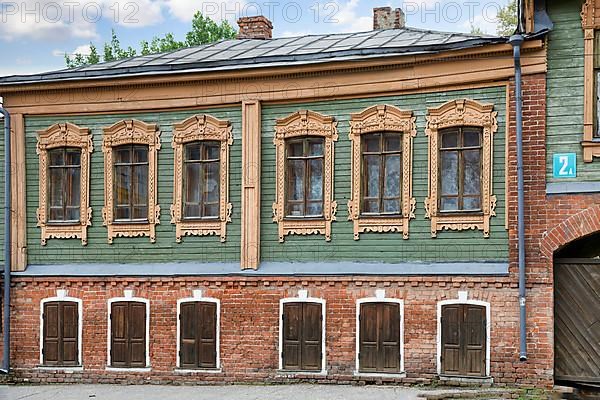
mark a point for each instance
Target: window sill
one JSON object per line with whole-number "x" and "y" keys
{"x": 75, "y": 368}
{"x": 466, "y": 379}
{"x": 591, "y": 149}
{"x": 198, "y": 371}
{"x": 380, "y": 374}
{"x": 298, "y": 374}
{"x": 127, "y": 369}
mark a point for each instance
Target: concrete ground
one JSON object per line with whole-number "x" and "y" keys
{"x": 238, "y": 392}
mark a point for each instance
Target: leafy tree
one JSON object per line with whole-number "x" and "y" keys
{"x": 507, "y": 19}
{"x": 204, "y": 30}
{"x": 476, "y": 30}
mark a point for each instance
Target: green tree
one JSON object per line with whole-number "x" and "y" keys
{"x": 507, "y": 19}
{"x": 476, "y": 30}
{"x": 204, "y": 30}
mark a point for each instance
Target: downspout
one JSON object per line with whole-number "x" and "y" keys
{"x": 516, "y": 41}
{"x": 7, "y": 235}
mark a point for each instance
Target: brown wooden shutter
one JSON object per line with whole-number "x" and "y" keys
{"x": 137, "y": 334}
{"x": 61, "y": 333}
{"x": 207, "y": 340}
{"x": 188, "y": 355}
{"x": 463, "y": 340}
{"x": 51, "y": 334}
{"x": 379, "y": 347}
{"x": 119, "y": 335}
{"x": 128, "y": 334}
{"x": 302, "y": 336}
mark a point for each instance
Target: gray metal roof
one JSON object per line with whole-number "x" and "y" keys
{"x": 255, "y": 53}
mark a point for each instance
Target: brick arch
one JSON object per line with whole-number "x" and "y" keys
{"x": 584, "y": 223}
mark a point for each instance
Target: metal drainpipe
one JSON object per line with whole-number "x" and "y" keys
{"x": 516, "y": 41}
{"x": 7, "y": 256}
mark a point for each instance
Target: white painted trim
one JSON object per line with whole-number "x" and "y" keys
{"x": 67, "y": 370}
{"x": 303, "y": 298}
{"x": 197, "y": 371}
{"x": 379, "y": 299}
{"x": 200, "y": 299}
{"x": 62, "y": 297}
{"x": 464, "y": 300}
{"x": 128, "y": 298}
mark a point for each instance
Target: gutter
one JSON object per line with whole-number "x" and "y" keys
{"x": 516, "y": 41}
{"x": 7, "y": 234}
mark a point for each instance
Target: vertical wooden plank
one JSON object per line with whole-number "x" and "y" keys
{"x": 51, "y": 340}
{"x": 70, "y": 330}
{"x": 451, "y": 339}
{"x": 312, "y": 330}
{"x": 250, "y": 229}
{"x": 389, "y": 346}
{"x": 137, "y": 334}
{"x": 292, "y": 316}
{"x": 369, "y": 338}
{"x": 474, "y": 334}
{"x": 18, "y": 199}
{"x": 207, "y": 336}
{"x": 119, "y": 335}
{"x": 188, "y": 356}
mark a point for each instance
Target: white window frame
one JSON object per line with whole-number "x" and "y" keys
{"x": 199, "y": 299}
{"x": 463, "y": 300}
{"x": 303, "y": 298}
{"x": 61, "y": 296}
{"x": 128, "y": 298}
{"x": 379, "y": 298}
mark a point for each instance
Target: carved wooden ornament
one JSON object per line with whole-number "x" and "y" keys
{"x": 382, "y": 118}
{"x": 590, "y": 21}
{"x": 123, "y": 133}
{"x": 298, "y": 124}
{"x": 56, "y": 136}
{"x": 462, "y": 112}
{"x": 193, "y": 129}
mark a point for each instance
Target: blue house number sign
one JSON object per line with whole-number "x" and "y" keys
{"x": 565, "y": 165}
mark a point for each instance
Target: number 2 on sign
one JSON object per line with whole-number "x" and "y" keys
{"x": 564, "y": 161}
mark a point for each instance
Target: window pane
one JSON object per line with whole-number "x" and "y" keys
{"x": 211, "y": 210}
{"x": 122, "y": 154}
{"x": 472, "y": 183}
{"x": 122, "y": 184}
{"x": 192, "y": 183}
{"x": 295, "y": 149}
{"x": 57, "y": 214}
{"x": 314, "y": 208}
{"x": 191, "y": 210}
{"x": 372, "y": 169}
{"x": 472, "y": 203}
{"x": 449, "y": 166}
{"x": 392, "y": 142}
{"x": 296, "y": 179}
{"x": 316, "y": 179}
{"x": 471, "y": 137}
{"x": 56, "y": 187}
{"x": 371, "y": 206}
{"x": 140, "y": 212}
{"x": 213, "y": 151}
{"x": 371, "y": 143}
{"x": 56, "y": 157}
{"x": 73, "y": 157}
{"x": 392, "y": 177}
{"x": 140, "y": 187}
{"x": 391, "y": 206}
{"x": 122, "y": 212}
{"x": 140, "y": 154}
{"x": 212, "y": 182}
{"x": 73, "y": 187}
{"x": 449, "y": 204}
{"x": 296, "y": 209}
{"x": 449, "y": 139}
{"x": 72, "y": 214}
{"x": 192, "y": 152}
{"x": 315, "y": 148}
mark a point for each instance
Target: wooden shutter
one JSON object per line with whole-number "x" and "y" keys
{"x": 302, "y": 336}
{"x": 128, "y": 334}
{"x": 198, "y": 343}
{"x": 464, "y": 340}
{"x": 61, "y": 333}
{"x": 379, "y": 347}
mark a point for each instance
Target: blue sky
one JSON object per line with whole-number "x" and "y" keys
{"x": 35, "y": 34}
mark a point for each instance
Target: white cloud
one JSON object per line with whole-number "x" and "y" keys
{"x": 184, "y": 10}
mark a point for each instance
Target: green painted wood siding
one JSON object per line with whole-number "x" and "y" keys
{"x": 133, "y": 250}
{"x": 565, "y": 88}
{"x": 384, "y": 247}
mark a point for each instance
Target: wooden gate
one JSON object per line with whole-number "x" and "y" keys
{"x": 577, "y": 321}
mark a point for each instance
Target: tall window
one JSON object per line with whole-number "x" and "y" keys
{"x": 591, "y": 99}
{"x": 597, "y": 83}
{"x": 460, "y": 169}
{"x": 302, "y": 336}
{"x": 64, "y": 170}
{"x": 64, "y": 167}
{"x": 379, "y": 349}
{"x": 60, "y": 341}
{"x": 128, "y": 334}
{"x": 198, "y": 344}
{"x": 382, "y": 176}
{"x": 305, "y": 164}
{"x": 202, "y": 175}
{"x": 131, "y": 183}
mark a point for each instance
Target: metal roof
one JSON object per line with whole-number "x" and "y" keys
{"x": 256, "y": 53}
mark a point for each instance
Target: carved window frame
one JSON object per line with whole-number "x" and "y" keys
{"x": 456, "y": 113}
{"x": 57, "y": 136}
{"x": 591, "y": 24}
{"x": 123, "y": 133}
{"x": 382, "y": 118}
{"x": 300, "y": 124}
{"x": 194, "y": 129}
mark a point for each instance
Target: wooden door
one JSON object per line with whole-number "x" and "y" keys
{"x": 198, "y": 335}
{"x": 379, "y": 341}
{"x": 302, "y": 336}
{"x": 61, "y": 333}
{"x": 464, "y": 340}
{"x": 128, "y": 334}
{"x": 577, "y": 322}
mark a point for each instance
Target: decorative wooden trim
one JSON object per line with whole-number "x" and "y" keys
{"x": 193, "y": 129}
{"x": 251, "y": 146}
{"x": 463, "y": 112}
{"x": 19, "y": 198}
{"x": 305, "y": 123}
{"x": 589, "y": 23}
{"x": 122, "y": 133}
{"x": 56, "y": 136}
{"x": 382, "y": 118}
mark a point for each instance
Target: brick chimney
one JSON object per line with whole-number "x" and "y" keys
{"x": 385, "y": 18}
{"x": 258, "y": 27}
